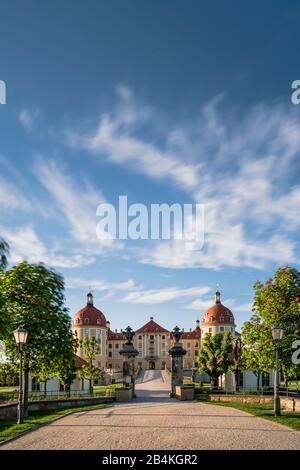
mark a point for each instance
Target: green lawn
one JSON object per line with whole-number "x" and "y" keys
{"x": 288, "y": 418}
{"x": 9, "y": 428}
{"x": 106, "y": 390}
{"x": 8, "y": 389}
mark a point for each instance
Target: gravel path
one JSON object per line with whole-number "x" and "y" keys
{"x": 154, "y": 421}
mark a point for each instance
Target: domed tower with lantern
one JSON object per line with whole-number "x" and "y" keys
{"x": 218, "y": 319}
{"x": 88, "y": 322}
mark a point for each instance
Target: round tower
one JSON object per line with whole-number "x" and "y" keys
{"x": 88, "y": 322}
{"x": 218, "y": 318}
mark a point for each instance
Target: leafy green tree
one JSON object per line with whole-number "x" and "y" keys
{"x": 67, "y": 372}
{"x": 90, "y": 350}
{"x": 34, "y": 298}
{"x": 9, "y": 374}
{"x": 238, "y": 363}
{"x": 277, "y": 302}
{"x": 257, "y": 352}
{"x": 4, "y": 250}
{"x": 215, "y": 356}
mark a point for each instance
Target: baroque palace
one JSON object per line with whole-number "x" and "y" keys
{"x": 151, "y": 340}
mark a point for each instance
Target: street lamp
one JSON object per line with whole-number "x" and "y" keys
{"x": 277, "y": 333}
{"x": 20, "y": 335}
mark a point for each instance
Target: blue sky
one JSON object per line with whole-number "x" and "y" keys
{"x": 163, "y": 101}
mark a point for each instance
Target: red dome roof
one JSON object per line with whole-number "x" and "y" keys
{"x": 90, "y": 315}
{"x": 218, "y": 314}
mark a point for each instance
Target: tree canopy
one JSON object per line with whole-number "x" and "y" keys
{"x": 32, "y": 295}
{"x": 276, "y": 302}
{"x": 215, "y": 356}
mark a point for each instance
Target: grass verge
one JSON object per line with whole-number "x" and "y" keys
{"x": 263, "y": 410}
{"x": 9, "y": 428}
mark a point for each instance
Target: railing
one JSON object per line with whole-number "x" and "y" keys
{"x": 106, "y": 391}
{"x": 262, "y": 391}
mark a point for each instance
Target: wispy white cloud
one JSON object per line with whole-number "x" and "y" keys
{"x": 28, "y": 117}
{"x": 157, "y": 296}
{"x": 25, "y": 244}
{"x": 115, "y": 138}
{"x": 99, "y": 284}
{"x": 78, "y": 202}
{"x": 242, "y": 167}
{"x": 12, "y": 198}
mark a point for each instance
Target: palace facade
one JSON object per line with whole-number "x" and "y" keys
{"x": 151, "y": 340}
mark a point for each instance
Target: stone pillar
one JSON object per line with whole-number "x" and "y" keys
{"x": 176, "y": 352}
{"x": 129, "y": 354}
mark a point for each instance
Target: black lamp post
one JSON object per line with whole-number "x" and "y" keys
{"x": 277, "y": 333}
{"x": 20, "y": 335}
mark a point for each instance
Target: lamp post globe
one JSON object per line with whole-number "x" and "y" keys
{"x": 20, "y": 335}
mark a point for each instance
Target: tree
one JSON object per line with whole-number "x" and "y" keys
{"x": 4, "y": 250}
{"x": 34, "y": 298}
{"x": 238, "y": 362}
{"x": 67, "y": 372}
{"x": 277, "y": 302}
{"x": 215, "y": 356}
{"x": 257, "y": 352}
{"x": 9, "y": 374}
{"x": 90, "y": 372}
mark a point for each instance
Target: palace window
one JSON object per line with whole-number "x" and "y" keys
{"x": 109, "y": 345}
{"x": 209, "y": 330}
{"x": 117, "y": 346}
{"x": 221, "y": 328}
{"x": 265, "y": 380}
{"x": 98, "y": 336}
{"x": 109, "y": 354}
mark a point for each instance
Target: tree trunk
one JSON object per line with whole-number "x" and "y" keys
{"x": 258, "y": 380}
{"x": 26, "y": 391}
{"x": 45, "y": 387}
{"x": 91, "y": 387}
{"x": 236, "y": 378}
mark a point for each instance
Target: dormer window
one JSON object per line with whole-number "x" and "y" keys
{"x": 86, "y": 320}
{"x": 98, "y": 321}
{"x": 221, "y": 319}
